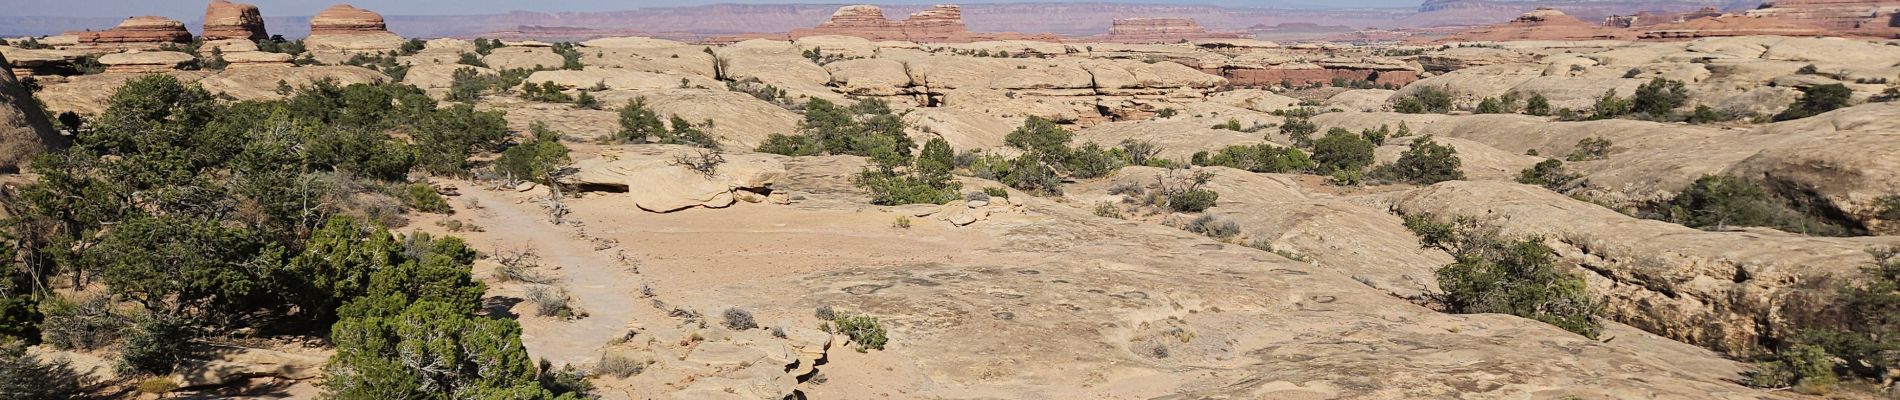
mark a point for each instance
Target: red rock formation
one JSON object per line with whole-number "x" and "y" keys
{"x": 227, "y": 20}
{"x": 1730, "y": 25}
{"x": 1163, "y": 30}
{"x": 138, "y": 30}
{"x": 941, "y": 23}
{"x": 1541, "y": 24}
{"x": 344, "y": 19}
{"x": 1853, "y": 17}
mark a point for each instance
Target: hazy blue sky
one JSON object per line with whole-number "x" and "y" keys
{"x": 194, "y": 9}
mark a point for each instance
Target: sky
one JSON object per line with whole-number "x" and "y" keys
{"x": 194, "y": 9}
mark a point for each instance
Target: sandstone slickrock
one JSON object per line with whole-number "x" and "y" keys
{"x": 146, "y": 61}
{"x": 227, "y": 20}
{"x": 656, "y": 180}
{"x": 25, "y": 131}
{"x": 1540, "y": 24}
{"x": 150, "y": 30}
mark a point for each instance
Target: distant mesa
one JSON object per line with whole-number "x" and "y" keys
{"x": 1541, "y": 24}
{"x": 1853, "y": 17}
{"x": 227, "y": 20}
{"x": 138, "y": 30}
{"x": 938, "y": 24}
{"x": 1164, "y": 30}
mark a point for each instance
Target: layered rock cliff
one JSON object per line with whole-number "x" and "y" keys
{"x": 139, "y": 30}
{"x": 227, "y": 20}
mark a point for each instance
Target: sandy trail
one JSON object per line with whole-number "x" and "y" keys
{"x": 606, "y": 289}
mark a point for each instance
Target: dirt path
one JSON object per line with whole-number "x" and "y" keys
{"x": 603, "y": 287}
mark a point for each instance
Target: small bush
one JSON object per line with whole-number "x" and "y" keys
{"x": 1108, "y": 210}
{"x": 154, "y": 345}
{"x": 1213, "y": 227}
{"x": 996, "y": 192}
{"x": 535, "y": 159}
{"x": 85, "y": 324}
{"x": 1427, "y": 162}
{"x": 1659, "y": 98}
{"x": 902, "y": 222}
{"x": 1889, "y": 207}
{"x": 1427, "y": 99}
{"x": 1816, "y": 100}
{"x": 1231, "y": 124}
{"x": 619, "y": 365}
{"x": 1496, "y": 275}
{"x": 1548, "y": 173}
{"x": 1592, "y": 148}
{"x": 421, "y": 197}
{"x": 551, "y": 302}
{"x": 1264, "y": 158}
{"x": 1341, "y": 150}
{"x": 1193, "y": 200}
{"x": 1610, "y": 106}
{"x": 863, "y": 330}
{"x": 1299, "y": 130}
{"x": 1721, "y": 200}
{"x": 739, "y": 319}
{"x": 1538, "y": 105}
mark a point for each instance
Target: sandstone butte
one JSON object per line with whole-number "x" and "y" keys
{"x": 138, "y": 30}
{"x": 227, "y": 20}
{"x": 938, "y": 24}
{"x": 1163, "y": 30}
{"x": 345, "y": 19}
{"x": 1541, "y": 24}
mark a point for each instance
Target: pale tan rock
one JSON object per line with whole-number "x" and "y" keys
{"x": 25, "y": 131}
{"x": 656, "y": 183}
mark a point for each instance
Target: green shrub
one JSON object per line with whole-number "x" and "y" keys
{"x": 421, "y": 197}
{"x": 1889, "y": 207}
{"x": 789, "y": 145}
{"x": 1496, "y": 275}
{"x": 1659, "y": 98}
{"x": 996, "y": 192}
{"x": 638, "y": 124}
{"x": 1427, "y": 99}
{"x": 1591, "y": 148}
{"x": 1816, "y": 100}
{"x": 1538, "y": 105}
{"x": 1341, "y": 150}
{"x": 1263, "y": 158}
{"x": 686, "y": 133}
{"x": 1427, "y": 162}
{"x": 1610, "y": 106}
{"x": 1548, "y": 173}
{"x": 535, "y": 159}
{"x": 1377, "y": 137}
{"x": 1721, "y": 200}
{"x": 863, "y": 330}
{"x": 1193, "y": 200}
{"x": 1704, "y": 115}
{"x": 1299, "y": 130}
{"x": 86, "y": 324}
{"x": 154, "y": 345}
{"x": 1231, "y": 124}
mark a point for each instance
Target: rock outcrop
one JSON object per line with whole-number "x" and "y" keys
{"x": 665, "y": 180}
{"x": 227, "y": 20}
{"x": 138, "y": 30}
{"x": 1854, "y": 17}
{"x": 1163, "y": 30}
{"x": 345, "y": 27}
{"x": 25, "y": 131}
{"x": 139, "y": 62}
{"x": 938, "y": 24}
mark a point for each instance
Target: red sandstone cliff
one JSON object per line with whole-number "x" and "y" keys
{"x": 139, "y": 30}
{"x": 941, "y": 23}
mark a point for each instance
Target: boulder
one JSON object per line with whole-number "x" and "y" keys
{"x": 657, "y": 180}
{"x": 234, "y": 365}
{"x": 227, "y": 20}
{"x": 25, "y": 131}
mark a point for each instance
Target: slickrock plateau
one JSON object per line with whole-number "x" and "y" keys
{"x": 1579, "y": 203}
{"x": 138, "y": 30}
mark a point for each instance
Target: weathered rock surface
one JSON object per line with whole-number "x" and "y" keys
{"x": 227, "y": 20}
{"x": 657, "y": 180}
{"x": 149, "y": 30}
{"x": 25, "y": 131}
{"x": 146, "y": 61}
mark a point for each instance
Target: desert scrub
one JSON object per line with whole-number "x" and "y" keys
{"x": 1717, "y": 201}
{"x": 619, "y": 365}
{"x": 1108, "y": 210}
{"x": 902, "y": 222}
{"x": 1493, "y": 274}
{"x": 1548, "y": 173}
{"x": 1004, "y": 193}
{"x": 1212, "y": 226}
{"x": 1425, "y": 162}
{"x": 551, "y": 302}
{"x": 861, "y": 329}
{"x": 421, "y": 197}
{"x": 739, "y": 319}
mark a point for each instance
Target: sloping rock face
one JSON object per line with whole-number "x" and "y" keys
{"x": 345, "y": 27}
{"x": 941, "y": 24}
{"x": 25, "y": 132}
{"x": 227, "y": 20}
{"x": 139, "y": 30}
{"x": 1731, "y": 25}
{"x": 1163, "y": 30}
